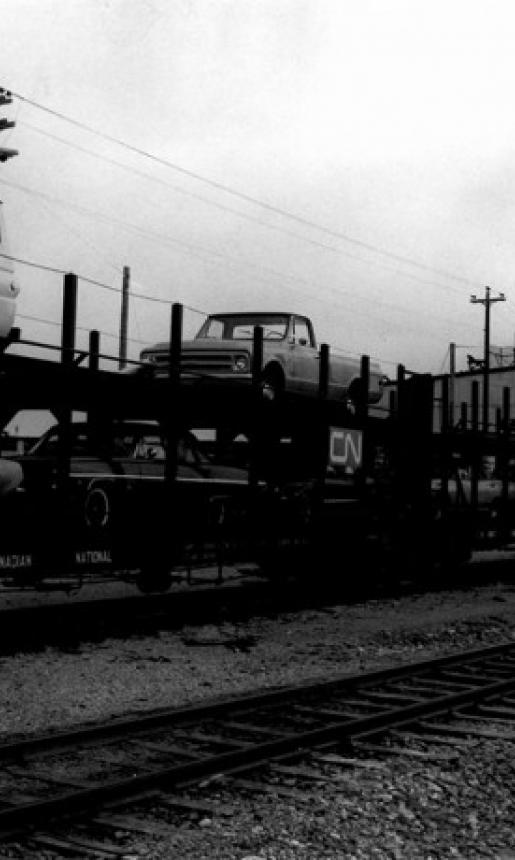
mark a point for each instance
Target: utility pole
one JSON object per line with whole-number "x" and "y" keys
{"x": 487, "y": 301}
{"x": 6, "y": 99}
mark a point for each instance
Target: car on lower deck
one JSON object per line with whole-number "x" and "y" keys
{"x": 105, "y": 500}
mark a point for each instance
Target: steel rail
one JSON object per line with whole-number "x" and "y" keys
{"x": 32, "y": 813}
{"x": 82, "y": 800}
{"x": 168, "y": 717}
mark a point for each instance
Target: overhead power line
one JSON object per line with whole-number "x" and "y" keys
{"x": 87, "y": 280}
{"x": 168, "y": 302}
{"x": 56, "y": 324}
{"x": 204, "y": 254}
{"x": 236, "y": 212}
{"x": 248, "y": 198}
{"x": 55, "y": 270}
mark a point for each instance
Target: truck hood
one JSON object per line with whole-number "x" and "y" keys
{"x": 204, "y": 344}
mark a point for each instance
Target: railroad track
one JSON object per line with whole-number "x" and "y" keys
{"x": 76, "y": 780}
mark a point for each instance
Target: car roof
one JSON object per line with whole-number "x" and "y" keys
{"x": 254, "y": 314}
{"x": 118, "y": 425}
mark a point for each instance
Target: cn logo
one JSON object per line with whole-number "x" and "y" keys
{"x": 345, "y": 448}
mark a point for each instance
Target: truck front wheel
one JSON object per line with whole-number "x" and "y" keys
{"x": 272, "y": 384}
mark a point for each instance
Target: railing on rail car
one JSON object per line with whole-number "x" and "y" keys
{"x": 323, "y": 480}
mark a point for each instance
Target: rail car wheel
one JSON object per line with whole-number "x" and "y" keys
{"x": 154, "y": 580}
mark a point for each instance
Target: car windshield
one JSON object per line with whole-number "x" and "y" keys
{"x": 131, "y": 442}
{"x": 241, "y": 326}
{"x": 117, "y": 441}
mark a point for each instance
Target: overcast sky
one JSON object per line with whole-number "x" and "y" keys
{"x": 384, "y": 132}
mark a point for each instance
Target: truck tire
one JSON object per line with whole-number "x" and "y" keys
{"x": 272, "y": 383}
{"x": 355, "y": 393}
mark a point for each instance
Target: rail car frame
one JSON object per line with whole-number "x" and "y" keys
{"x": 349, "y": 480}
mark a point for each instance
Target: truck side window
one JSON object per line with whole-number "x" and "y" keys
{"x": 302, "y": 335}
{"x": 213, "y": 328}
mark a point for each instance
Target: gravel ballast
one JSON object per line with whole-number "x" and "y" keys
{"x": 403, "y": 810}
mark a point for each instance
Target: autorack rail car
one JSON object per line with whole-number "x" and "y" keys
{"x": 159, "y": 474}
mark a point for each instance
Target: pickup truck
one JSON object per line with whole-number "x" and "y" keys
{"x": 222, "y": 349}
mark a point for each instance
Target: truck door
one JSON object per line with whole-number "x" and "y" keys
{"x": 304, "y": 355}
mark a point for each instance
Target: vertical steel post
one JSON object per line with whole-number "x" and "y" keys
{"x": 94, "y": 412}
{"x": 414, "y": 442}
{"x": 426, "y": 433}
{"x": 257, "y": 360}
{"x": 94, "y": 349}
{"x": 321, "y": 424}
{"x": 124, "y": 318}
{"x": 392, "y": 404}
{"x": 255, "y": 440}
{"x": 444, "y": 412}
{"x": 505, "y": 527}
{"x": 364, "y": 388}
{"x": 401, "y": 379}
{"x": 362, "y": 415}
{"x": 400, "y": 453}
{"x": 506, "y": 409}
{"x": 444, "y": 432}
{"x": 474, "y": 422}
{"x": 323, "y": 372}
{"x": 174, "y": 381}
{"x": 68, "y": 331}
{"x": 452, "y": 379}
{"x": 69, "y": 318}
{"x": 464, "y": 416}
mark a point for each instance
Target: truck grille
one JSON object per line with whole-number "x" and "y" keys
{"x": 208, "y": 362}
{"x": 199, "y": 362}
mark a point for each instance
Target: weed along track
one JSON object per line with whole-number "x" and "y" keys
{"x": 65, "y": 787}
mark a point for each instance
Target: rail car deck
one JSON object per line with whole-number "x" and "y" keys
{"x": 317, "y": 478}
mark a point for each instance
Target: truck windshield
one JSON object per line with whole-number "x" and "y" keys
{"x": 241, "y": 326}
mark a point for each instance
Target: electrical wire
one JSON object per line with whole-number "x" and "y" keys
{"x": 194, "y": 251}
{"x": 243, "y": 196}
{"x": 56, "y": 324}
{"x": 55, "y": 271}
{"x": 219, "y": 186}
{"x": 239, "y": 214}
{"x": 145, "y": 342}
{"x": 146, "y": 297}
{"x": 133, "y": 295}
{"x": 88, "y": 280}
